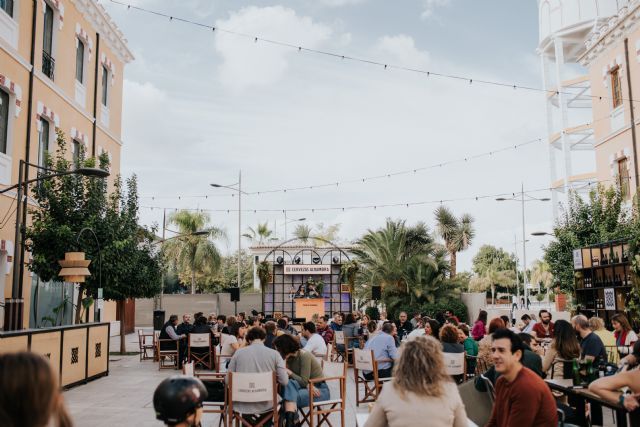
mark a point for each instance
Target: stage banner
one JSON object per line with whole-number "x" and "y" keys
{"x": 307, "y": 269}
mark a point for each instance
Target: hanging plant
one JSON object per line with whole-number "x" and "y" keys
{"x": 264, "y": 273}
{"x": 349, "y": 271}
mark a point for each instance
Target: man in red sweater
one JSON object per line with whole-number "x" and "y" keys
{"x": 522, "y": 397}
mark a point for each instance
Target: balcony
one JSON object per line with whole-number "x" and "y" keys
{"x": 48, "y": 65}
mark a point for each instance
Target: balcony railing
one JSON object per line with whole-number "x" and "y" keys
{"x": 48, "y": 65}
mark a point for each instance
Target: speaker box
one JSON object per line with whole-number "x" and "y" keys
{"x": 376, "y": 292}
{"x": 235, "y": 294}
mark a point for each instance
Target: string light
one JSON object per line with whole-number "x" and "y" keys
{"x": 300, "y": 48}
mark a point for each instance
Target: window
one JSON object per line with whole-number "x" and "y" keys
{"x": 105, "y": 85}
{"x": 4, "y": 120}
{"x": 7, "y": 6}
{"x": 80, "y": 62}
{"x": 76, "y": 150}
{"x": 623, "y": 177}
{"x": 43, "y": 143}
{"x": 48, "y": 63}
{"x": 616, "y": 87}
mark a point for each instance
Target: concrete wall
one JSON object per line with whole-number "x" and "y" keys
{"x": 207, "y": 303}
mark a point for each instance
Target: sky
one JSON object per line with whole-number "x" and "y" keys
{"x": 201, "y": 105}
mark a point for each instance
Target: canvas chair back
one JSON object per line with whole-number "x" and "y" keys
{"x": 333, "y": 369}
{"x": 363, "y": 359}
{"x": 199, "y": 340}
{"x": 454, "y": 363}
{"x": 339, "y": 337}
{"x": 252, "y": 387}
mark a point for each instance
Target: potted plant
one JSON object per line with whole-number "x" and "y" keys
{"x": 264, "y": 273}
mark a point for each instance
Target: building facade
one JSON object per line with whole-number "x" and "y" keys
{"x": 61, "y": 68}
{"x": 564, "y": 27}
{"x": 612, "y": 56}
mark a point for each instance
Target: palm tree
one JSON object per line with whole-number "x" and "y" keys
{"x": 457, "y": 233}
{"x": 259, "y": 234}
{"x": 541, "y": 274}
{"x": 302, "y": 232}
{"x": 489, "y": 278}
{"x": 193, "y": 255}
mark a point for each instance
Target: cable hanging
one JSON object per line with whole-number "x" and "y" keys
{"x": 383, "y": 65}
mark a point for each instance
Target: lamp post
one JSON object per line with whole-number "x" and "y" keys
{"x": 14, "y": 307}
{"x": 237, "y": 187}
{"x": 522, "y": 201}
{"x": 289, "y": 222}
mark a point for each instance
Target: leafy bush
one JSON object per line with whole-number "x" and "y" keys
{"x": 432, "y": 309}
{"x": 373, "y": 313}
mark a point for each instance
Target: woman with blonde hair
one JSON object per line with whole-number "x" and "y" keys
{"x": 29, "y": 392}
{"x": 421, "y": 390}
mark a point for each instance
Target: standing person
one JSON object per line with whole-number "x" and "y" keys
{"x": 421, "y": 392}
{"x": 522, "y": 397}
{"x": 564, "y": 346}
{"x": 479, "y": 327}
{"x": 315, "y": 344}
{"x": 256, "y": 358}
{"x": 178, "y": 401}
{"x": 544, "y": 328}
{"x": 185, "y": 327}
{"x": 624, "y": 334}
{"x": 302, "y": 366}
{"x": 403, "y": 325}
{"x": 323, "y": 329}
{"x": 384, "y": 349}
{"x": 30, "y": 392}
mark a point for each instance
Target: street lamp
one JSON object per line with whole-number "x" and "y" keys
{"x": 240, "y": 193}
{"x": 522, "y": 200}
{"x": 14, "y": 307}
{"x": 542, "y": 233}
{"x": 289, "y": 222}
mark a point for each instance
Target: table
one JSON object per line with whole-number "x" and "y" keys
{"x": 565, "y": 386}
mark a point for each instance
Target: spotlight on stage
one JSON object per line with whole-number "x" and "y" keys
{"x": 316, "y": 260}
{"x": 280, "y": 260}
{"x": 297, "y": 260}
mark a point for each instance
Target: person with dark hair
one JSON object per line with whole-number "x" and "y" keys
{"x": 384, "y": 350}
{"x": 185, "y": 327}
{"x": 256, "y": 358}
{"x": 168, "y": 332}
{"x": 220, "y": 322}
{"x": 403, "y": 325}
{"x": 431, "y": 328}
{"x": 449, "y": 339}
{"x": 529, "y": 323}
{"x": 231, "y": 320}
{"x": 623, "y": 332}
{"x": 324, "y": 330}
{"x": 270, "y": 328}
{"x": 564, "y": 346}
{"x": 591, "y": 348}
{"x": 479, "y": 327}
{"x": 544, "y": 328}
{"x": 470, "y": 347}
{"x": 241, "y": 317}
{"x": 350, "y": 330}
{"x": 231, "y": 342}
{"x": 531, "y": 343}
{"x": 506, "y": 320}
{"x": 302, "y": 367}
{"x": 178, "y": 401}
{"x": 289, "y": 329}
{"x": 450, "y": 315}
{"x": 522, "y": 397}
{"x": 315, "y": 344}
{"x": 30, "y": 392}
{"x": 253, "y": 321}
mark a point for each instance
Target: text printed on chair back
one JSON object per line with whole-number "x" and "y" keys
{"x": 363, "y": 359}
{"x": 454, "y": 363}
{"x": 252, "y": 387}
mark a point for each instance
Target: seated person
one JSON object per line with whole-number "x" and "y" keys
{"x": 470, "y": 347}
{"x": 168, "y": 332}
{"x": 384, "y": 351}
{"x": 302, "y": 366}
{"x": 322, "y": 327}
{"x": 270, "y": 328}
{"x": 609, "y": 389}
{"x": 231, "y": 342}
{"x": 201, "y": 327}
{"x": 449, "y": 339}
{"x": 350, "y": 329}
{"x": 315, "y": 344}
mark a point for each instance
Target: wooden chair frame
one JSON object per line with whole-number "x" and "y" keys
{"x": 205, "y": 358}
{"x": 238, "y": 418}
{"x": 330, "y": 406}
{"x": 147, "y": 350}
{"x": 156, "y": 337}
{"x": 173, "y": 354}
{"x": 349, "y": 350}
{"x": 338, "y": 355}
{"x": 373, "y": 387}
{"x": 211, "y": 407}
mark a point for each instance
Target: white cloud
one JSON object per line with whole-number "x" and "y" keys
{"x": 431, "y": 5}
{"x": 340, "y": 3}
{"x": 401, "y": 50}
{"x": 246, "y": 63}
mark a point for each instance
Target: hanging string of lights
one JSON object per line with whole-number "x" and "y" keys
{"x": 383, "y": 65}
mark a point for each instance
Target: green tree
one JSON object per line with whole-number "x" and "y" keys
{"x": 302, "y": 232}
{"x": 227, "y": 275}
{"x": 193, "y": 256}
{"x": 541, "y": 275}
{"x": 258, "y": 235}
{"x": 490, "y": 277}
{"x": 600, "y": 218}
{"x": 457, "y": 233}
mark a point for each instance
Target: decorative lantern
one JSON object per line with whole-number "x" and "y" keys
{"x": 74, "y": 267}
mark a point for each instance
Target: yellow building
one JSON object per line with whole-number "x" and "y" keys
{"x": 612, "y": 57}
{"x": 61, "y": 67}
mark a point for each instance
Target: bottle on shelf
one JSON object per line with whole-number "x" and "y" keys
{"x": 595, "y": 261}
{"x": 605, "y": 261}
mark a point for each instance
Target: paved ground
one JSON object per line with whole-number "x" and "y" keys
{"x": 124, "y": 397}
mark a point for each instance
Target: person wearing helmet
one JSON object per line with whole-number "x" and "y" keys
{"x": 178, "y": 401}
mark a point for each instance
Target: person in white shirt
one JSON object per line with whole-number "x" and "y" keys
{"x": 315, "y": 343}
{"x": 529, "y": 323}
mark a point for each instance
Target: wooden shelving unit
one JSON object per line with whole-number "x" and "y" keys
{"x": 602, "y": 278}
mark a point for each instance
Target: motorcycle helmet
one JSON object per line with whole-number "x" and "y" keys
{"x": 177, "y": 397}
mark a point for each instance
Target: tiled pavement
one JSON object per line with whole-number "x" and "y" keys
{"x": 124, "y": 397}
